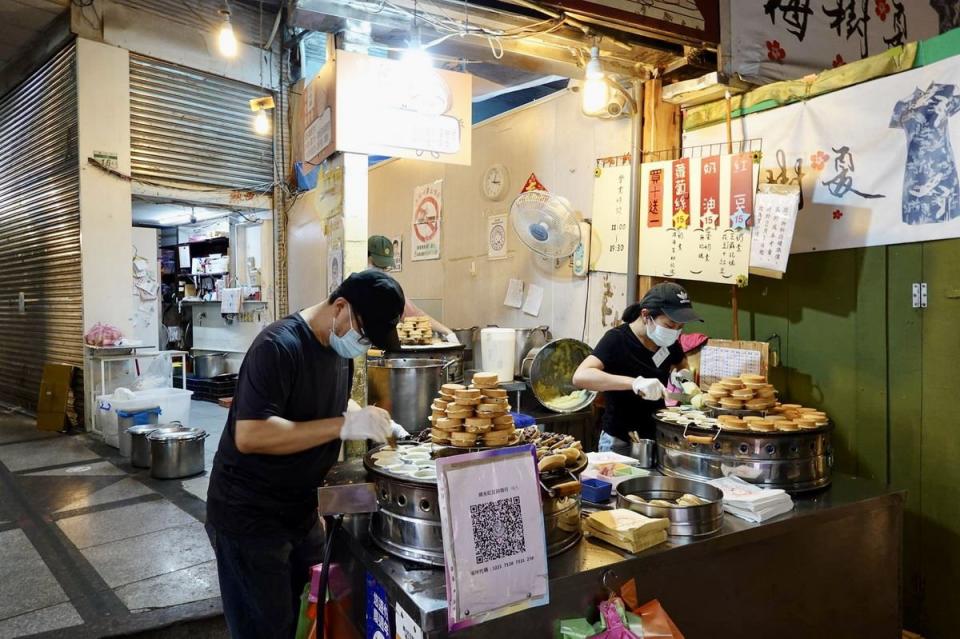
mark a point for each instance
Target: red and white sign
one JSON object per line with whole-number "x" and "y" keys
{"x": 427, "y": 212}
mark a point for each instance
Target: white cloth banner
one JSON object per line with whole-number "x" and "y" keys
{"x": 772, "y": 40}
{"x": 875, "y": 162}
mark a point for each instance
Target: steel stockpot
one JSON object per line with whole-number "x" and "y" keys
{"x": 140, "y": 445}
{"x": 176, "y": 454}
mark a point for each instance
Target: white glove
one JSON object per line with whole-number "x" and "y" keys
{"x": 678, "y": 377}
{"x": 369, "y": 422}
{"x": 398, "y": 431}
{"x": 648, "y": 388}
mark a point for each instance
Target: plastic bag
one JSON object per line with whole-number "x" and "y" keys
{"x": 159, "y": 374}
{"x": 103, "y": 335}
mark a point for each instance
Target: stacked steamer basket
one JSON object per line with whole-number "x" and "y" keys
{"x": 749, "y": 434}
{"x": 473, "y": 416}
{"x": 415, "y": 331}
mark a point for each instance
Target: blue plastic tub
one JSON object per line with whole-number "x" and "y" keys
{"x": 595, "y": 491}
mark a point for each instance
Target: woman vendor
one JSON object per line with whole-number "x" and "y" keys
{"x": 632, "y": 363}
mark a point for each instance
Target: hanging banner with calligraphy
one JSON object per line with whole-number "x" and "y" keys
{"x": 611, "y": 215}
{"x": 704, "y": 237}
{"x": 876, "y": 162}
{"x": 772, "y": 40}
{"x": 709, "y": 191}
{"x": 655, "y": 198}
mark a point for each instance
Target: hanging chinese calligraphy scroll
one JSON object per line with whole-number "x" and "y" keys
{"x": 706, "y": 215}
{"x": 876, "y": 163}
{"x": 611, "y": 215}
{"x": 771, "y": 40}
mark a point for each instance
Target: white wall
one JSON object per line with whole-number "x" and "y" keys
{"x": 105, "y": 205}
{"x": 550, "y": 138}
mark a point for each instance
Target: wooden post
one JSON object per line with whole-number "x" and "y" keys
{"x": 661, "y": 130}
{"x": 734, "y": 301}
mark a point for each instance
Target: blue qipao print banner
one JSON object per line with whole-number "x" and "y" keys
{"x": 876, "y": 162}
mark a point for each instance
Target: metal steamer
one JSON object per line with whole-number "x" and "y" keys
{"x": 408, "y": 522}
{"x": 795, "y": 461}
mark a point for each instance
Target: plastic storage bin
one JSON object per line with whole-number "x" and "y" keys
{"x": 174, "y": 404}
{"x": 127, "y": 419}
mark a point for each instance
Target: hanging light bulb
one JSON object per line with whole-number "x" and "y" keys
{"x": 416, "y": 58}
{"x": 595, "y": 90}
{"x": 226, "y": 39}
{"x": 261, "y": 123}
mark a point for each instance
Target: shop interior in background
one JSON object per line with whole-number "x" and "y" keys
{"x": 214, "y": 266}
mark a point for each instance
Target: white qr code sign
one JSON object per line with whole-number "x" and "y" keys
{"x": 493, "y": 538}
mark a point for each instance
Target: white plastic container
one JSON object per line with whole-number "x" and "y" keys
{"x": 498, "y": 351}
{"x": 174, "y": 406}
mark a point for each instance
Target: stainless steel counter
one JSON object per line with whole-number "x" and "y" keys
{"x": 831, "y": 567}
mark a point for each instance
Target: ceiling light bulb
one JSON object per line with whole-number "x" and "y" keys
{"x": 595, "y": 96}
{"x": 226, "y": 39}
{"x": 416, "y": 57}
{"x": 594, "y": 71}
{"x": 261, "y": 123}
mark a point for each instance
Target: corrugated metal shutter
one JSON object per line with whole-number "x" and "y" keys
{"x": 248, "y": 24}
{"x": 39, "y": 229}
{"x": 189, "y": 126}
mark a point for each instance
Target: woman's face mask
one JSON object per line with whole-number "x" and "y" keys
{"x": 661, "y": 335}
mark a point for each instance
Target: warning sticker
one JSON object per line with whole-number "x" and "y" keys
{"x": 427, "y": 213}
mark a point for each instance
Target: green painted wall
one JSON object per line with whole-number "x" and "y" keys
{"x": 851, "y": 343}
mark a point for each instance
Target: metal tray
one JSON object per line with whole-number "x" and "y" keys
{"x": 685, "y": 521}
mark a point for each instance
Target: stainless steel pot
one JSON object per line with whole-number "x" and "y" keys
{"x": 407, "y": 524}
{"x": 405, "y": 388}
{"x": 550, "y": 373}
{"x": 140, "y": 445}
{"x": 685, "y": 521}
{"x": 176, "y": 454}
{"x": 210, "y": 365}
{"x": 528, "y": 338}
{"x": 796, "y": 461}
{"x": 450, "y": 355}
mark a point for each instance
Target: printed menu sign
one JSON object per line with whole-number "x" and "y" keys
{"x": 493, "y": 536}
{"x": 611, "y": 214}
{"x": 695, "y": 218}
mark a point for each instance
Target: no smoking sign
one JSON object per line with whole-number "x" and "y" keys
{"x": 427, "y": 219}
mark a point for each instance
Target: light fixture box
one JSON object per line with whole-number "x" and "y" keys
{"x": 378, "y": 106}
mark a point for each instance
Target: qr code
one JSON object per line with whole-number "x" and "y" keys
{"x": 497, "y": 529}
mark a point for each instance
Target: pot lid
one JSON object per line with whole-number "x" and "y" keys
{"x": 181, "y": 434}
{"x": 142, "y": 429}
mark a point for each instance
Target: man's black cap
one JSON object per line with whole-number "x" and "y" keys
{"x": 378, "y": 301}
{"x": 673, "y": 300}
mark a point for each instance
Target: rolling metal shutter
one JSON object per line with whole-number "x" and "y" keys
{"x": 189, "y": 126}
{"x": 39, "y": 229}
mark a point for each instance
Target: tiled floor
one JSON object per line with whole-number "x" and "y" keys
{"x": 93, "y": 545}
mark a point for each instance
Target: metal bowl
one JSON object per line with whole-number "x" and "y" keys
{"x": 551, "y": 373}
{"x": 685, "y": 521}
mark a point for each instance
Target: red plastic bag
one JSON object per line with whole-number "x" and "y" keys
{"x": 103, "y": 335}
{"x": 657, "y": 624}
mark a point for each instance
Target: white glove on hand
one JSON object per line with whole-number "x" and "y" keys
{"x": 648, "y": 388}
{"x": 677, "y": 378}
{"x": 369, "y": 422}
{"x": 398, "y": 431}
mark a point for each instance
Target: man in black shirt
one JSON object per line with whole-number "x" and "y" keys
{"x": 282, "y": 436}
{"x": 632, "y": 363}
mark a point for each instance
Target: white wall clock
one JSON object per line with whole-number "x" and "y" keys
{"x": 495, "y": 182}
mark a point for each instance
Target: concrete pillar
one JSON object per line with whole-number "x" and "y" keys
{"x": 103, "y": 105}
